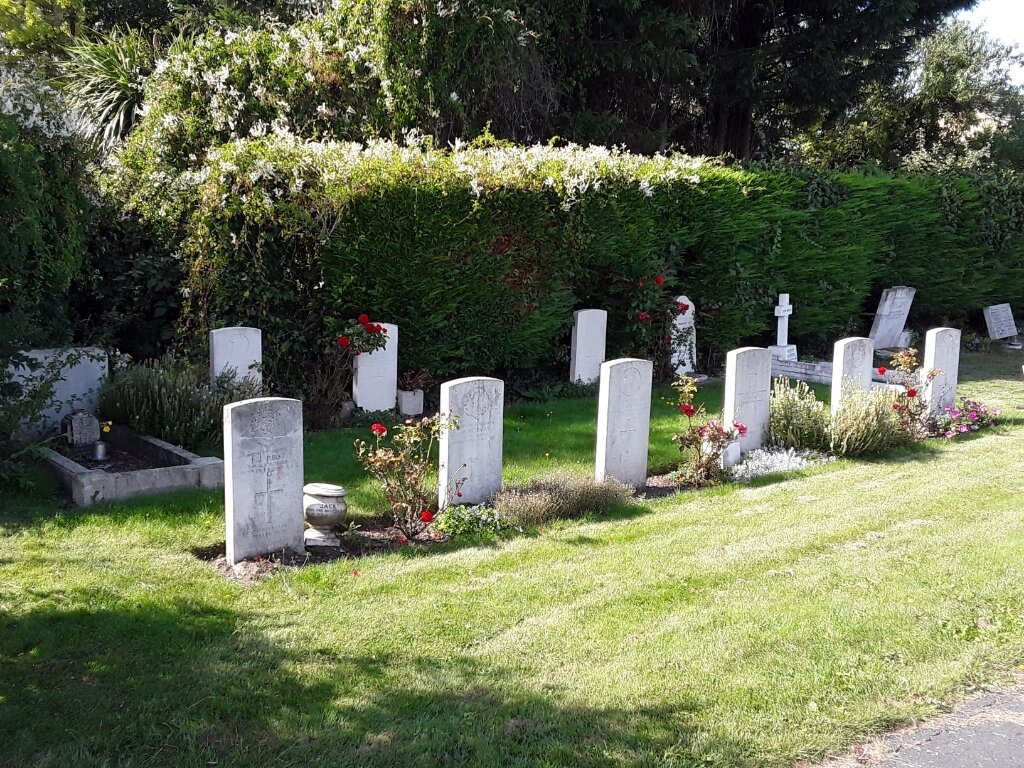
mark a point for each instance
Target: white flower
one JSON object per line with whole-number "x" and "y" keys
{"x": 475, "y": 188}
{"x": 646, "y": 188}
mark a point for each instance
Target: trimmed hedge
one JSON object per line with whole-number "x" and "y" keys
{"x": 481, "y": 254}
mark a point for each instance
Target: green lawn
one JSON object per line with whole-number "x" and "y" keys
{"x": 740, "y": 626}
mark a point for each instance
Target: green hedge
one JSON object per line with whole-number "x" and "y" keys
{"x": 481, "y": 254}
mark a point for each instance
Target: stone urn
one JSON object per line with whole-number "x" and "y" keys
{"x": 323, "y": 507}
{"x": 410, "y": 402}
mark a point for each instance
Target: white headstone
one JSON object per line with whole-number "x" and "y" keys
{"x": 375, "y": 379}
{"x": 588, "y": 345}
{"x": 748, "y": 386}
{"x": 852, "y": 362}
{"x": 623, "y": 420}
{"x": 941, "y": 353}
{"x": 82, "y": 371}
{"x": 239, "y": 349}
{"x": 1000, "y": 322}
{"x": 891, "y": 317}
{"x": 474, "y": 450}
{"x": 263, "y": 476}
{"x": 782, "y": 349}
{"x": 684, "y": 337}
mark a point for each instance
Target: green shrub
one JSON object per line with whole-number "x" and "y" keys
{"x": 867, "y": 424}
{"x": 173, "y": 400}
{"x": 797, "y": 418}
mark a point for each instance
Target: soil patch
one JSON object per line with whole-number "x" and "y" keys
{"x": 117, "y": 460}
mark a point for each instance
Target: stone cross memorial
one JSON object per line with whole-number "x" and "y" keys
{"x": 1000, "y": 322}
{"x": 888, "y": 328}
{"x": 623, "y": 421}
{"x": 748, "y": 386}
{"x": 263, "y": 477}
{"x": 375, "y": 378}
{"x": 473, "y": 450}
{"x": 237, "y": 349}
{"x": 782, "y": 349}
{"x": 588, "y": 345}
{"x": 852, "y": 362}
{"x": 941, "y": 354}
{"x": 684, "y": 337}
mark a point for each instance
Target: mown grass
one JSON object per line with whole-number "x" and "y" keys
{"x": 739, "y": 626}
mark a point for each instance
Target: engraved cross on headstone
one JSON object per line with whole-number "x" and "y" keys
{"x": 265, "y": 499}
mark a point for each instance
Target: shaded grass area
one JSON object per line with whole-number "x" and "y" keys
{"x": 738, "y": 626}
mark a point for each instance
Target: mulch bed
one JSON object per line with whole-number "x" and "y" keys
{"x": 363, "y": 541}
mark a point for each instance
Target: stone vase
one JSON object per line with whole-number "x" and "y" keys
{"x": 410, "y": 402}
{"x": 323, "y": 507}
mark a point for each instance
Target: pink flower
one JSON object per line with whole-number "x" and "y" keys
{"x": 950, "y": 434}
{"x": 741, "y": 428}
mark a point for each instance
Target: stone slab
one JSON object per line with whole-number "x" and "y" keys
{"x": 891, "y": 317}
{"x": 1000, "y": 322}
{"x": 82, "y": 372}
{"x": 238, "y": 349}
{"x": 474, "y": 450}
{"x": 941, "y": 353}
{"x": 852, "y": 364}
{"x": 684, "y": 338}
{"x": 748, "y": 384}
{"x": 375, "y": 378}
{"x": 263, "y": 477}
{"x": 587, "y": 351}
{"x": 624, "y": 420}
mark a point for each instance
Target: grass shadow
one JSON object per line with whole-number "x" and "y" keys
{"x": 187, "y": 683}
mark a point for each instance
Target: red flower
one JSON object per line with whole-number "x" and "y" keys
{"x": 367, "y": 327}
{"x": 363, "y": 319}
{"x": 896, "y": 406}
{"x": 687, "y": 410}
{"x": 740, "y": 427}
{"x": 426, "y": 516}
{"x": 683, "y": 307}
{"x": 379, "y": 429}
{"x": 911, "y": 392}
{"x": 344, "y": 342}
{"x": 643, "y": 317}
{"x": 459, "y": 494}
{"x": 355, "y": 571}
{"x": 668, "y": 339}
{"x": 881, "y": 370}
{"x": 660, "y": 280}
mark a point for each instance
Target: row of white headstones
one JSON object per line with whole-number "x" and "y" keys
{"x": 263, "y": 453}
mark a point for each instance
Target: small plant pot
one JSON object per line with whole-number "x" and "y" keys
{"x": 323, "y": 507}
{"x": 410, "y": 402}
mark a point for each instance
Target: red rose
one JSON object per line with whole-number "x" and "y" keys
{"x": 344, "y": 342}
{"x": 896, "y": 406}
{"x": 660, "y": 280}
{"x": 379, "y": 429}
{"x": 426, "y": 516}
{"x": 881, "y": 370}
{"x": 459, "y": 494}
{"x": 683, "y": 307}
{"x": 687, "y": 410}
{"x": 740, "y": 427}
{"x": 367, "y": 327}
{"x": 668, "y": 339}
{"x": 911, "y": 392}
{"x": 363, "y": 319}
{"x": 643, "y": 317}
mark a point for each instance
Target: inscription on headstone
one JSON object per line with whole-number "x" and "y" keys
{"x": 941, "y": 354}
{"x": 891, "y": 317}
{"x": 263, "y": 476}
{"x": 474, "y": 450}
{"x": 237, "y": 349}
{"x": 1000, "y": 322}
{"x": 748, "y": 384}
{"x": 851, "y": 368}
{"x": 623, "y": 420}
